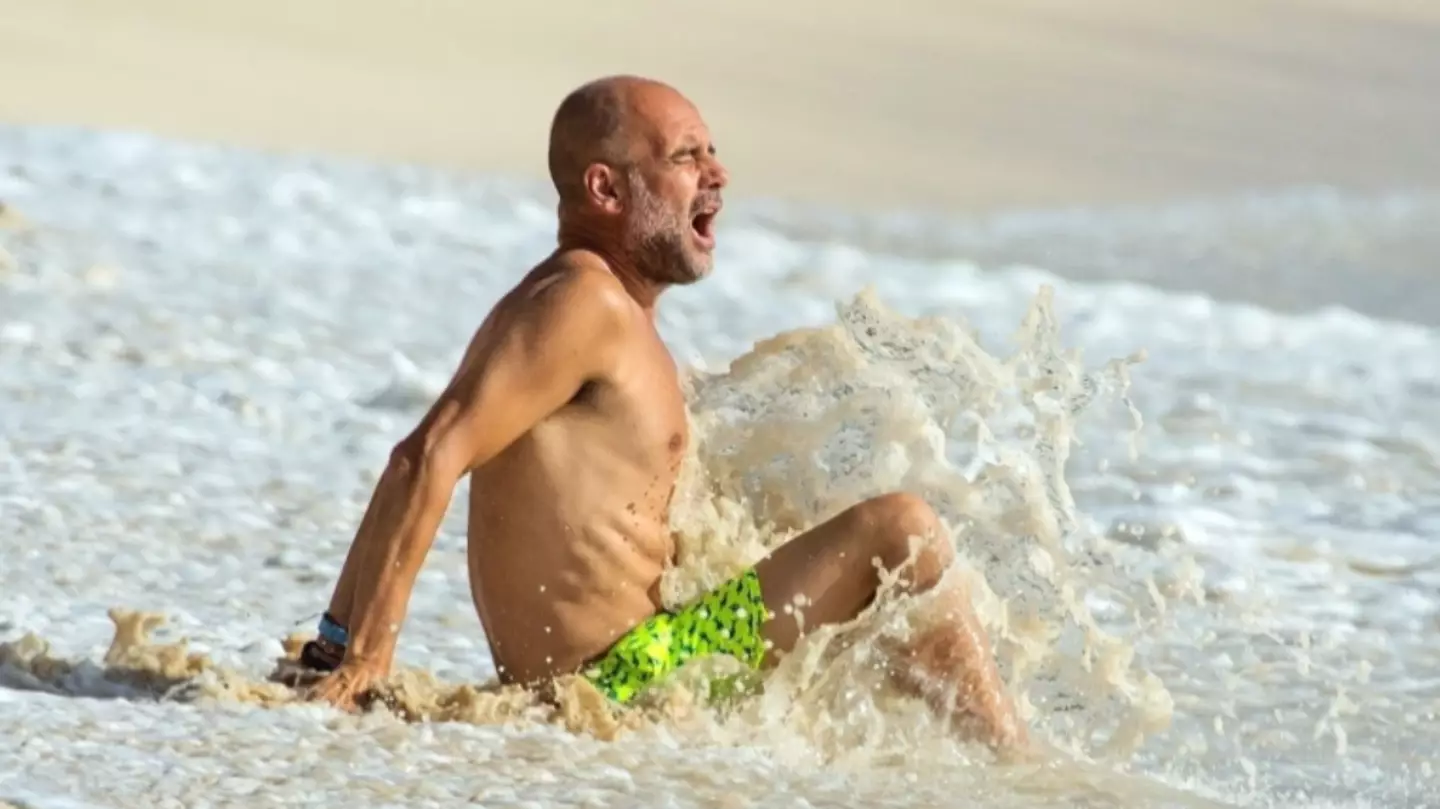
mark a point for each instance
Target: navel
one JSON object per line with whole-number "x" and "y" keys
{"x": 676, "y": 441}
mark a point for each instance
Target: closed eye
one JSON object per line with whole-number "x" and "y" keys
{"x": 692, "y": 153}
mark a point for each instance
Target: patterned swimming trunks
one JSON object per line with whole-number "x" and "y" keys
{"x": 726, "y": 620}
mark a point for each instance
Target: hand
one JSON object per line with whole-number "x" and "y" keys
{"x": 346, "y": 685}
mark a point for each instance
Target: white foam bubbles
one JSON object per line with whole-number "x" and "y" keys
{"x": 198, "y": 433}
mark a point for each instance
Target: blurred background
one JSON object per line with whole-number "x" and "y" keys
{"x": 960, "y": 105}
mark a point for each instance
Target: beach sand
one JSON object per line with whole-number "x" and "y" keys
{"x": 960, "y": 106}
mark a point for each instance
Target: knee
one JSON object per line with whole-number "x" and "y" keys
{"x": 895, "y": 521}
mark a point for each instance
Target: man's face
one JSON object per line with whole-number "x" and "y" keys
{"x": 674, "y": 192}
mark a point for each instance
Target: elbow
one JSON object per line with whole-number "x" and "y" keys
{"x": 424, "y": 458}
{"x": 414, "y": 476}
{"x": 438, "y": 450}
{"x": 406, "y": 458}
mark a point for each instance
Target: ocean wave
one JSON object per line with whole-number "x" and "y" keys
{"x": 1202, "y": 531}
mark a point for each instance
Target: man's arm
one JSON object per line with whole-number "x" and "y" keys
{"x": 532, "y": 358}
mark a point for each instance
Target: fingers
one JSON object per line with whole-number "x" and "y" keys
{"x": 343, "y": 701}
{"x": 341, "y": 689}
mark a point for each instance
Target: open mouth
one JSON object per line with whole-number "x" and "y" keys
{"x": 703, "y": 224}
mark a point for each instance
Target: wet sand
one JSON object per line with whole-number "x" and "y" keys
{"x": 975, "y": 105}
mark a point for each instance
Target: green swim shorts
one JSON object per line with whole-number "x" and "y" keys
{"x": 726, "y": 620}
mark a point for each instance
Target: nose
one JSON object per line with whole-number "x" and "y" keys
{"x": 716, "y": 175}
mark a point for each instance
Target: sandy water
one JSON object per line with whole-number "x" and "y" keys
{"x": 1203, "y": 533}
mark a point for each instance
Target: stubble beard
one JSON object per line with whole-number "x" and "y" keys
{"x": 658, "y": 239}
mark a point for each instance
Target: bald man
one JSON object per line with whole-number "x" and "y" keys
{"x": 567, "y": 414}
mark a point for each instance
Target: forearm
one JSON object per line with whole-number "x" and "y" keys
{"x": 343, "y": 597}
{"x": 410, "y": 503}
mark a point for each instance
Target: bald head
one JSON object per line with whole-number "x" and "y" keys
{"x": 597, "y": 123}
{"x": 638, "y": 177}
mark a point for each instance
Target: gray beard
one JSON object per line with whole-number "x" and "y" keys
{"x": 657, "y": 242}
{"x": 663, "y": 257}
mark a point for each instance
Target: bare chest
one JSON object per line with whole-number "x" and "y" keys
{"x": 644, "y": 405}
{"x": 624, "y": 432}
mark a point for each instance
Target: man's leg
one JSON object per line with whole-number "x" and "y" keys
{"x": 833, "y": 568}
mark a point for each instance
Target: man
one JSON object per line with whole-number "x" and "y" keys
{"x": 566, "y": 412}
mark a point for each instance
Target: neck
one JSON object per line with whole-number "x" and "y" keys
{"x": 646, "y": 292}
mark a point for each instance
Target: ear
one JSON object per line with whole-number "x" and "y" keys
{"x": 602, "y": 188}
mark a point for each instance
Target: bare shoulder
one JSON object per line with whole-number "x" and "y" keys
{"x": 567, "y": 323}
{"x": 570, "y": 309}
{"x": 574, "y": 284}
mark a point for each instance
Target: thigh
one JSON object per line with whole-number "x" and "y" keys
{"x": 830, "y": 570}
